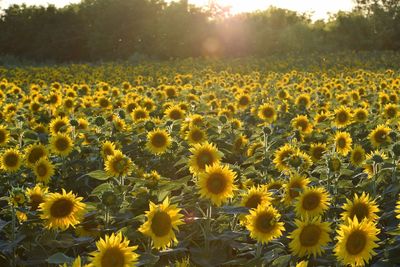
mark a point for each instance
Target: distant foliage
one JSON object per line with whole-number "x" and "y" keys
{"x": 96, "y": 30}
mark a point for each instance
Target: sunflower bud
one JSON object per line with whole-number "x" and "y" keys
{"x": 396, "y": 149}
{"x": 74, "y": 123}
{"x": 99, "y": 121}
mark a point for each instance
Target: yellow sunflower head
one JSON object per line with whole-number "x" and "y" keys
{"x": 302, "y": 124}
{"x": 114, "y": 251}
{"x": 161, "y": 222}
{"x": 140, "y": 114}
{"x": 107, "y": 149}
{"x": 118, "y": 164}
{"x": 60, "y": 211}
{"x": 256, "y": 196}
{"x": 397, "y": 210}
{"x": 391, "y": 111}
{"x": 362, "y": 207}
{"x": 263, "y": 224}
{"x": 356, "y": 242}
{"x": 303, "y": 101}
{"x": 175, "y": 113}
{"x": 342, "y": 117}
{"x": 316, "y": 151}
{"x": 36, "y": 196}
{"x": 360, "y": 114}
{"x": 296, "y": 184}
{"x": 243, "y": 100}
{"x": 343, "y": 143}
{"x": 158, "y": 141}
{"x": 11, "y": 160}
{"x": 313, "y": 201}
{"x": 202, "y": 155}
{"x": 4, "y": 135}
{"x": 61, "y": 144}
{"x": 267, "y": 113}
{"x": 282, "y": 155}
{"x": 33, "y": 153}
{"x": 195, "y": 135}
{"x": 357, "y": 155}
{"x": 310, "y": 237}
{"x": 43, "y": 170}
{"x": 217, "y": 183}
{"x": 59, "y": 125}
{"x": 380, "y": 135}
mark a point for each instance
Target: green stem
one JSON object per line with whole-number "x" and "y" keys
{"x": 259, "y": 250}
{"x": 13, "y": 237}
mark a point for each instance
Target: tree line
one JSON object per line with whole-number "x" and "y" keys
{"x": 108, "y": 30}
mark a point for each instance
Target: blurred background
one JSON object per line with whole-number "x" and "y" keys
{"x": 108, "y": 30}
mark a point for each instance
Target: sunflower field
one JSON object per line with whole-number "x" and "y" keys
{"x": 280, "y": 162}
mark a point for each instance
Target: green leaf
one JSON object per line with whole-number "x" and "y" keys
{"x": 99, "y": 175}
{"x": 282, "y": 261}
{"x": 101, "y": 188}
{"x": 148, "y": 259}
{"x": 59, "y": 258}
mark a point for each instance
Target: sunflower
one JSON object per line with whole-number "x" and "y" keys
{"x": 33, "y": 153}
{"x": 243, "y": 100}
{"x": 43, "y": 170}
{"x": 343, "y": 143}
{"x": 398, "y": 209}
{"x": 357, "y": 155}
{"x": 309, "y": 237}
{"x": 316, "y": 151}
{"x": 11, "y": 160}
{"x": 360, "y": 115}
{"x": 302, "y": 124}
{"x": 4, "y": 135}
{"x": 296, "y": 184}
{"x": 342, "y": 117}
{"x": 60, "y": 211}
{"x": 140, "y": 114}
{"x": 61, "y": 144}
{"x": 356, "y": 242}
{"x": 380, "y": 135}
{"x": 161, "y": 222}
{"x": 107, "y": 149}
{"x": 267, "y": 113}
{"x": 391, "y": 111}
{"x": 175, "y": 113}
{"x": 282, "y": 155}
{"x": 302, "y": 264}
{"x": 299, "y": 161}
{"x": 217, "y": 183}
{"x": 114, "y": 251}
{"x": 321, "y": 117}
{"x": 195, "y": 135}
{"x": 368, "y": 167}
{"x": 303, "y": 101}
{"x": 36, "y": 196}
{"x": 254, "y": 147}
{"x": 158, "y": 141}
{"x": 312, "y": 202}
{"x": 59, "y": 125}
{"x": 362, "y": 207}
{"x": 118, "y": 164}
{"x": 256, "y": 196}
{"x": 263, "y": 224}
{"x": 202, "y": 155}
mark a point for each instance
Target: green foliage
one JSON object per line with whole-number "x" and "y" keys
{"x": 96, "y": 30}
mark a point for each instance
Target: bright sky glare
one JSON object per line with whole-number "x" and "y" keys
{"x": 320, "y": 8}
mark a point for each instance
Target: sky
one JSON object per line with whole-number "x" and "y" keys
{"x": 320, "y": 8}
